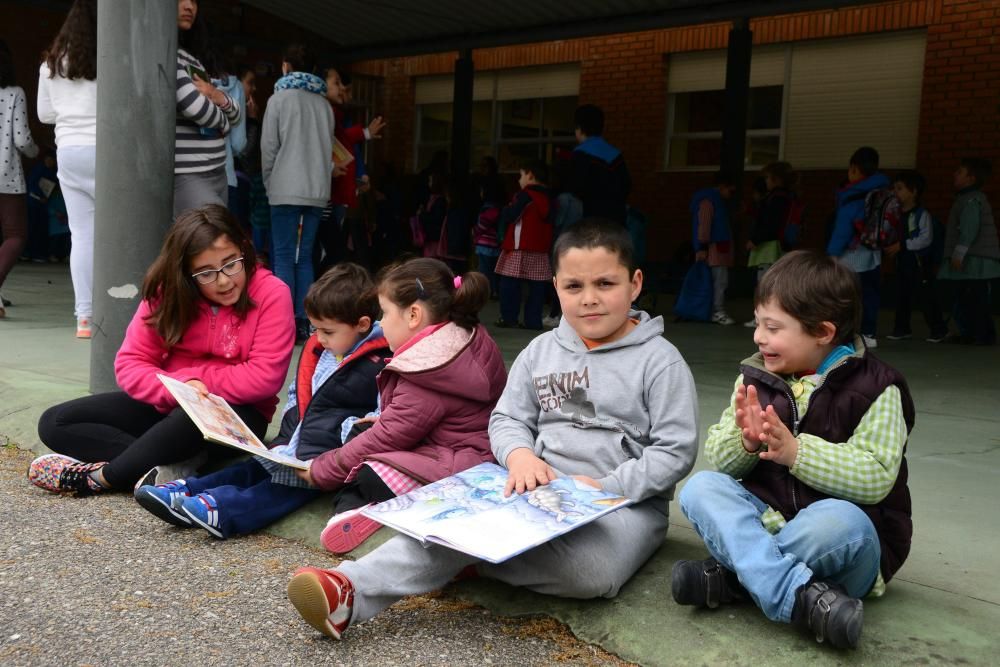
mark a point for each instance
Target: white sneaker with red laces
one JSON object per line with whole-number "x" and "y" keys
{"x": 324, "y": 599}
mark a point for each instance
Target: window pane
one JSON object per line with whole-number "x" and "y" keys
{"x": 435, "y": 122}
{"x": 510, "y": 156}
{"x": 765, "y": 108}
{"x": 557, "y": 118}
{"x": 695, "y": 152}
{"x": 425, "y": 153}
{"x": 520, "y": 119}
{"x": 761, "y": 150}
{"x": 482, "y": 122}
{"x": 702, "y": 111}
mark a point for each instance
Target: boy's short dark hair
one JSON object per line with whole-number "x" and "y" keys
{"x": 536, "y": 168}
{"x": 814, "y": 288}
{"x": 300, "y": 57}
{"x": 866, "y": 160}
{"x": 913, "y": 180}
{"x": 980, "y": 168}
{"x": 592, "y": 233}
{"x": 589, "y": 119}
{"x": 345, "y": 293}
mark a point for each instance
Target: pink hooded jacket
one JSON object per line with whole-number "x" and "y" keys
{"x": 243, "y": 361}
{"x": 437, "y": 397}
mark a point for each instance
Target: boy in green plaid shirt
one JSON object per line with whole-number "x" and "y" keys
{"x": 809, "y": 510}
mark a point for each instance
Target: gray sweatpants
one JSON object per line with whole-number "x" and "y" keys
{"x": 720, "y": 281}
{"x": 196, "y": 190}
{"x": 592, "y": 561}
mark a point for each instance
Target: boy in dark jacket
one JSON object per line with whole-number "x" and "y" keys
{"x": 809, "y": 509}
{"x": 334, "y": 385}
{"x": 599, "y": 176}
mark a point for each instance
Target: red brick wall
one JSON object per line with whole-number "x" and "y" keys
{"x": 626, "y": 74}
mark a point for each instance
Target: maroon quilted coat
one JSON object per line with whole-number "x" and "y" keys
{"x": 437, "y": 397}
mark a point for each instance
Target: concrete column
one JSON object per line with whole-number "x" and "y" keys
{"x": 137, "y": 82}
{"x": 734, "y": 129}
{"x": 461, "y": 118}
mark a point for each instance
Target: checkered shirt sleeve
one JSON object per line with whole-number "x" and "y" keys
{"x": 724, "y": 446}
{"x": 863, "y": 469}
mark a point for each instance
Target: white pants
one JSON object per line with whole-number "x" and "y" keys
{"x": 77, "y": 166}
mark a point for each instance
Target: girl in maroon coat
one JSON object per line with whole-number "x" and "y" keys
{"x": 436, "y": 396}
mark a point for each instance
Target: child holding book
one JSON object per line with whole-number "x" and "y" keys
{"x": 335, "y": 381}
{"x": 809, "y": 510}
{"x": 564, "y": 412}
{"x": 436, "y": 395}
{"x": 209, "y": 317}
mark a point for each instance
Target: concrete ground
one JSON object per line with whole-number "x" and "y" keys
{"x": 943, "y": 606}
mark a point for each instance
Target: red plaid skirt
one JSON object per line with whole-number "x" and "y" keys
{"x": 524, "y": 264}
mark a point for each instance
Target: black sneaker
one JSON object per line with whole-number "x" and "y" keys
{"x": 830, "y": 613}
{"x": 704, "y": 583}
{"x": 899, "y": 336}
{"x": 501, "y": 323}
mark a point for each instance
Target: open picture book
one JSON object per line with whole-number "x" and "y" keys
{"x": 219, "y": 423}
{"x": 468, "y": 512}
{"x": 342, "y": 156}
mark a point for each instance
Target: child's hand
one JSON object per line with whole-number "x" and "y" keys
{"x": 782, "y": 446}
{"x": 198, "y": 386}
{"x": 590, "y": 481}
{"x": 375, "y": 127}
{"x": 749, "y": 417}
{"x": 306, "y": 475}
{"x": 367, "y": 420}
{"x": 339, "y": 171}
{"x": 956, "y": 263}
{"x": 526, "y": 471}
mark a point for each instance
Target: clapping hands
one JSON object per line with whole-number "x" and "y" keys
{"x": 764, "y": 427}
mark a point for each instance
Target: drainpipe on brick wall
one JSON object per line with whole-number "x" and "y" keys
{"x": 737, "y": 99}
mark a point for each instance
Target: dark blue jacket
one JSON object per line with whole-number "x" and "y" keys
{"x": 350, "y": 392}
{"x": 720, "y": 218}
{"x": 850, "y": 209}
{"x": 599, "y": 178}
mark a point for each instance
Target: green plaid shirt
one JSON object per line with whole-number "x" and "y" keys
{"x": 861, "y": 470}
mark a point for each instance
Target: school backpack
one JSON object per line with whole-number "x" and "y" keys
{"x": 880, "y": 223}
{"x": 793, "y": 230}
{"x": 694, "y": 302}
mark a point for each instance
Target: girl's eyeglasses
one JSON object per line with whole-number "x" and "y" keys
{"x": 209, "y": 276}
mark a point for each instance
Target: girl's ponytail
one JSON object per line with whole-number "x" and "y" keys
{"x": 472, "y": 291}
{"x": 429, "y": 281}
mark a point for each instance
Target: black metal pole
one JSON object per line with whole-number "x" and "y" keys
{"x": 136, "y": 74}
{"x": 737, "y": 99}
{"x": 461, "y": 118}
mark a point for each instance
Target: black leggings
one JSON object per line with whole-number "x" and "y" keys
{"x": 366, "y": 487}
{"x": 131, "y": 435}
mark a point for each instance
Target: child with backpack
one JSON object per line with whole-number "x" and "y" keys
{"x": 209, "y": 317}
{"x": 863, "y": 205}
{"x": 335, "y": 381}
{"x": 436, "y": 395}
{"x": 713, "y": 240}
{"x": 484, "y": 232}
{"x": 778, "y": 224}
{"x": 918, "y": 254}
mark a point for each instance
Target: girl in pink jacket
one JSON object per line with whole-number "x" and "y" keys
{"x": 209, "y": 317}
{"x": 436, "y": 396}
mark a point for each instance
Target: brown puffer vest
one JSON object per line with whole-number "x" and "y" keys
{"x": 836, "y": 407}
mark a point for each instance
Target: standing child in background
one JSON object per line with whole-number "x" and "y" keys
{"x": 863, "y": 177}
{"x": 972, "y": 253}
{"x": 436, "y": 396}
{"x": 568, "y": 210}
{"x": 772, "y": 214}
{"x": 713, "y": 238}
{"x": 335, "y": 381}
{"x": 432, "y": 212}
{"x": 916, "y": 262}
{"x": 41, "y": 180}
{"x": 809, "y": 509}
{"x": 525, "y": 233}
{"x": 626, "y": 424}
{"x": 209, "y": 317}
{"x": 484, "y": 233}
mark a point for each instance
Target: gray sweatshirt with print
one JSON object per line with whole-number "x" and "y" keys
{"x": 625, "y": 413}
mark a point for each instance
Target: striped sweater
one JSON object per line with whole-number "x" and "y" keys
{"x": 200, "y": 145}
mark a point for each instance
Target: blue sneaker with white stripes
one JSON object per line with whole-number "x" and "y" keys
{"x": 164, "y": 501}
{"x": 204, "y": 511}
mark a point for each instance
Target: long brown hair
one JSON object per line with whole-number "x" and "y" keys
{"x": 169, "y": 287}
{"x": 432, "y": 282}
{"x": 73, "y": 53}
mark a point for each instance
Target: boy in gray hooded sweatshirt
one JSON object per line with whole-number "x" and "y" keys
{"x": 604, "y": 398}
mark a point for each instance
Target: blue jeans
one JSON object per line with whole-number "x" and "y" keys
{"x": 510, "y": 301}
{"x": 291, "y": 254}
{"x": 487, "y": 267}
{"x": 830, "y": 539}
{"x": 871, "y": 296}
{"x": 248, "y": 500}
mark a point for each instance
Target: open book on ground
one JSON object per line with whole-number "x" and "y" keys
{"x": 468, "y": 512}
{"x": 219, "y": 423}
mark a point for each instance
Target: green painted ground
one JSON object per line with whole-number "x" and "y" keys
{"x": 942, "y": 608}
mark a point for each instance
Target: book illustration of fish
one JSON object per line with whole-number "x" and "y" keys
{"x": 557, "y": 502}
{"x": 394, "y": 504}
